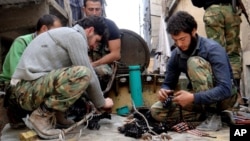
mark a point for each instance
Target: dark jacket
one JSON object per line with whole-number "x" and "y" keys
{"x": 216, "y": 55}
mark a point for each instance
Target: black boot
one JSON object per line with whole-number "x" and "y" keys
{"x": 15, "y": 114}
{"x": 62, "y": 121}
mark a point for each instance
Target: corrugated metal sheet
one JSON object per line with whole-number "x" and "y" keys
{"x": 17, "y": 2}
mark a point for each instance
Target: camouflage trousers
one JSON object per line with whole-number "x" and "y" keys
{"x": 200, "y": 73}
{"x": 103, "y": 70}
{"x": 223, "y": 26}
{"x": 58, "y": 89}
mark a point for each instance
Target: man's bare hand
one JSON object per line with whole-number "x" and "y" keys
{"x": 163, "y": 94}
{"x": 183, "y": 98}
{"x": 94, "y": 64}
{"x": 108, "y": 103}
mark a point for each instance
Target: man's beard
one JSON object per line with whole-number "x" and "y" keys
{"x": 89, "y": 38}
{"x": 192, "y": 46}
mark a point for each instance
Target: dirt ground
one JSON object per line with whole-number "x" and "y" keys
{"x": 3, "y": 115}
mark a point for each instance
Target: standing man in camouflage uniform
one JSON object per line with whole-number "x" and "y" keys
{"x": 222, "y": 24}
{"x": 105, "y": 54}
{"x": 54, "y": 71}
{"x": 207, "y": 68}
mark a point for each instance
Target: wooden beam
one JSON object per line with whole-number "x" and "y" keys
{"x": 58, "y": 8}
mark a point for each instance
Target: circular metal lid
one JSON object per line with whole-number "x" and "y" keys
{"x": 134, "y": 51}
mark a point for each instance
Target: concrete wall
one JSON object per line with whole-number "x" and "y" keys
{"x": 158, "y": 7}
{"x": 186, "y": 5}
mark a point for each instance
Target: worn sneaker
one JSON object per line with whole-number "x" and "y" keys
{"x": 43, "y": 122}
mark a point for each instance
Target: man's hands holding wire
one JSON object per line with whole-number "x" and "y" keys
{"x": 181, "y": 97}
{"x": 163, "y": 94}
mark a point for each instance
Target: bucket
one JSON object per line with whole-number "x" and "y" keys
{"x": 122, "y": 111}
{"x": 135, "y": 85}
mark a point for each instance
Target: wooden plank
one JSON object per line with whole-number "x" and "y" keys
{"x": 58, "y": 8}
{"x": 122, "y": 96}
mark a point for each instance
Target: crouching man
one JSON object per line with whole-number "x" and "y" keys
{"x": 54, "y": 71}
{"x": 207, "y": 67}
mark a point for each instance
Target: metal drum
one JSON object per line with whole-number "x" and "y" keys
{"x": 134, "y": 51}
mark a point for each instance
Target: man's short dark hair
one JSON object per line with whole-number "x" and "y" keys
{"x": 85, "y": 2}
{"x": 47, "y": 19}
{"x": 181, "y": 21}
{"x": 98, "y": 23}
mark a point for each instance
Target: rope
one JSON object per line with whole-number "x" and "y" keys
{"x": 85, "y": 119}
{"x": 145, "y": 119}
{"x": 114, "y": 68}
